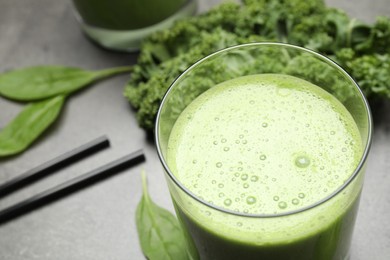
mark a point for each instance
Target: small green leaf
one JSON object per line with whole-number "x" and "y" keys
{"x": 40, "y": 82}
{"x": 28, "y": 125}
{"x": 159, "y": 232}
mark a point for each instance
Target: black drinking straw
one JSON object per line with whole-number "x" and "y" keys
{"x": 71, "y": 186}
{"x": 53, "y": 165}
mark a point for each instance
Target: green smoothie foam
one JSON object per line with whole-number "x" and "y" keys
{"x": 265, "y": 144}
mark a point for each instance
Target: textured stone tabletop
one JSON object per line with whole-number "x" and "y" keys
{"x": 98, "y": 222}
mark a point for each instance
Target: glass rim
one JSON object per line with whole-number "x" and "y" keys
{"x": 292, "y": 212}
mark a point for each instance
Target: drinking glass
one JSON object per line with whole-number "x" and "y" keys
{"x": 122, "y": 24}
{"x": 321, "y": 230}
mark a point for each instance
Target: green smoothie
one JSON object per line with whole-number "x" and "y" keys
{"x": 126, "y": 14}
{"x": 123, "y": 24}
{"x": 266, "y": 144}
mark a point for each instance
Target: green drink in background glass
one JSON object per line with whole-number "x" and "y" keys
{"x": 264, "y": 160}
{"x": 122, "y": 24}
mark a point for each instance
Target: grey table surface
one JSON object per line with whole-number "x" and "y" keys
{"x": 98, "y": 222}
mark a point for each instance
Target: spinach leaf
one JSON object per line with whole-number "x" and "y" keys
{"x": 28, "y": 125}
{"x": 40, "y": 82}
{"x": 159, "y": 232}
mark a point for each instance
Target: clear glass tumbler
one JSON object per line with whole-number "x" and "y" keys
{"x": 301, "y": 205}
{"x": 122, "y": 24}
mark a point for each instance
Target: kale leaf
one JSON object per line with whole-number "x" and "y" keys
{"x": 363, "y": 50}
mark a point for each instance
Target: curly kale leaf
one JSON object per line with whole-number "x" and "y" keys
{"x": 145, "y": 94}
{"x": 371, "y": 72}
{"x": 362, "y": 49}
{"x": 377, "y": 40}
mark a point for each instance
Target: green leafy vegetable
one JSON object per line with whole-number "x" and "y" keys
{"x": 372, "y": 72}
{"x": 48, "y": 83}
{"x": 362, "y": 49}
{"x": 31, "y": 122}
{"x": 40, "y": 82}
{"x": 159, "y": 232}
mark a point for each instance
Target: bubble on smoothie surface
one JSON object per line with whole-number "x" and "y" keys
{"x": 282, "y": 205}
{"x": 251, "y": 200}
{"x": 244, "y": 176}
{"x": 302, "y": 161}
{"x": 295, "y": 201}
{"x": 227, "y": 202}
